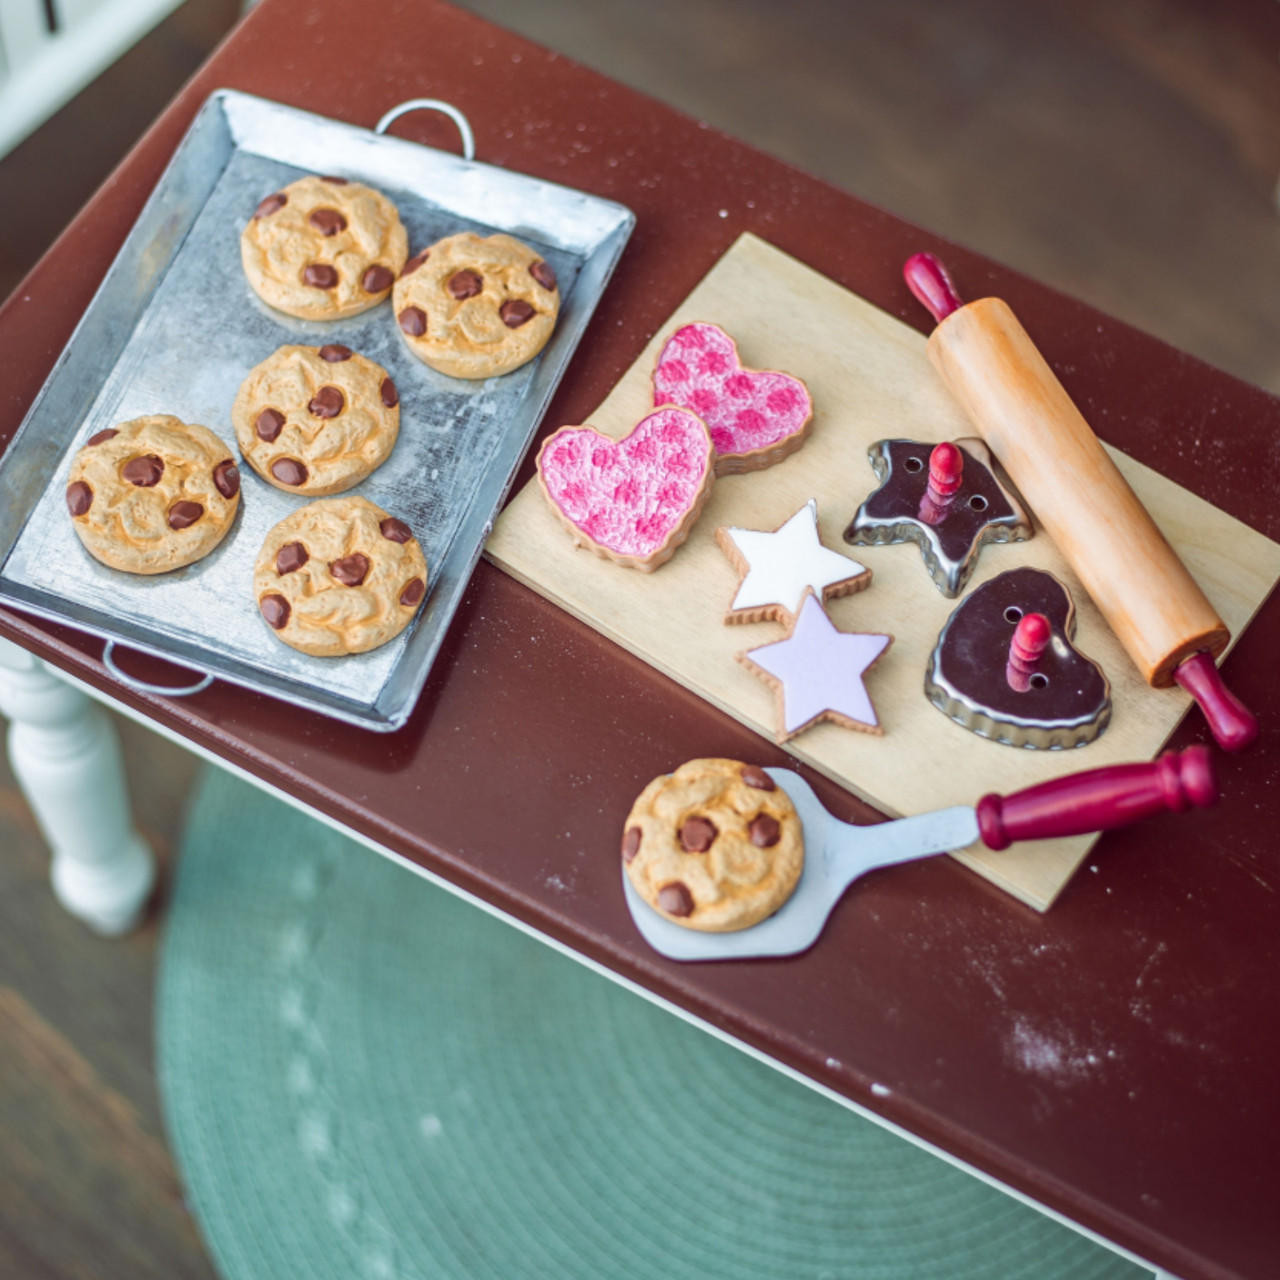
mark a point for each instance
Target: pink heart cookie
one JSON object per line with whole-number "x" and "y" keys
{"x": 632, "y": 500}
{"x": 756, "y": 417}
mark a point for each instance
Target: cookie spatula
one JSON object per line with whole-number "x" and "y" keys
{"x": 837, "y": 853}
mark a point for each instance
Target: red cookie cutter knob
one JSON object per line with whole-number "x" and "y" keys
{"x": 946, "y": 472}
{"x": 1026, "y": 647}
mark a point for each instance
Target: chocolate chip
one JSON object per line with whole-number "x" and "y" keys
{"x": 390, "y": 396}
{"x": 182, "y": 515}
{"x": 79, "y": 498}
{"x": 465, "y": 284}
{"x": 269, "y": 424}
{"x": 765, "y": 831}
{"x": 337, "y": 182}
{"x": 544, "y": 274}
{"x": 144, "y": 470}
{"x": 395, "y": 530}
{"x": 289, "y": 471}
{"x": 319, "y": 275}
{"x": 675, "y": 899}
{"x": 515, "y": 312}
{"x": 413, "y": 320}
{"x": 103, "y": 436}
{"x": 327, "y": 402}
{"x": 631, "y": 843}
{"x": 377, "y": 278}
{"x": 351, "y": 570}
{"x": 414, "y": 263}
{"x": 226, "y": 478}
{"x": 275, "y": 609}
{"x": 271, "y": 204}
{"x": 328, "y": 222}
{"x": 413, "y": 592}
{"x": 334, "y": 353}
{"x": 697, "y": 834}
{"x": 754, "y": 776}
{"x": 291, "y": 557}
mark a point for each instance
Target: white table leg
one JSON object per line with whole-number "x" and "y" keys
{"x": 66, "y": 757}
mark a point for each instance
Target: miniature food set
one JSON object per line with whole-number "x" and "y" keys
{"x": 299, "y": 365}
{"x": 1151, "y": 598}
{"x": 870, "y": 381}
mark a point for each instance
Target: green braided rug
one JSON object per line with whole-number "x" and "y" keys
{"x": 364, "y": 1077}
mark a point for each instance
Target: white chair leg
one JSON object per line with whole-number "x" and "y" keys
{"x": 66, "y": 757}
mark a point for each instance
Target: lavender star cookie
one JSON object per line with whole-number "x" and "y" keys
{"x": 817, "y": 672}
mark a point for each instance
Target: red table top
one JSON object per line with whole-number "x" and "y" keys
{"x": 1115, "y": 1058}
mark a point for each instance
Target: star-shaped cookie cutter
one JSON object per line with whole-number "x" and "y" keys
{"x": 946, "y": 498}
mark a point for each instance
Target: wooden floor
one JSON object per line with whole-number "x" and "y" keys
{"x": 1126, "y": 151}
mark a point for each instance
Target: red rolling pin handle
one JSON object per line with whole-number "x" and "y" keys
{"x": 1233, "y": 725}
{"x": 928, "y": 280}
{"x": 1098, "y": 799}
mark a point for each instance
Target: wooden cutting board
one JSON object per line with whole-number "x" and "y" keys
{"x": 870, "y": 379}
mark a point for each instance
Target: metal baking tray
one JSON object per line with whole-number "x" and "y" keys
{"x": 174, "y": 328}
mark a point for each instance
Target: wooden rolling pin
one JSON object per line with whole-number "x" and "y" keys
{"x": 1133, "y": 575}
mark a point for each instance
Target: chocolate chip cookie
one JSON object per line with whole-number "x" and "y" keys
{"x": 323, "y": 248}
{"x": 339, "y": 576}
{"x": 152, "y": 494}
{"x": 316, "y": 420}
{"x": 717, "y": 845}
{"x": 476, "y": 307}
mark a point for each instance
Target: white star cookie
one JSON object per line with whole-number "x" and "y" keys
{"x": 778, "y": 568}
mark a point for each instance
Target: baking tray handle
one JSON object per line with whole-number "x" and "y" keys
{"x": 142, "y": 686}
{"x": 433, "y": 104}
